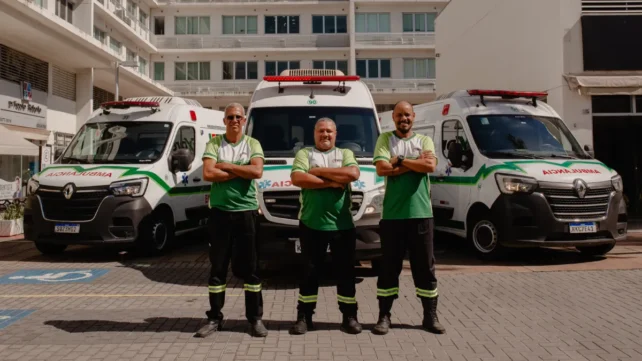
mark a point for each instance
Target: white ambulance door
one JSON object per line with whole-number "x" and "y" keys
{"x": 185, "y": 184}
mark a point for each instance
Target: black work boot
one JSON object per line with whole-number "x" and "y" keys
{"x": 212, "y": 326}
{"x": 431, "y": 322}
{"x": 383, "y": 324}
{"x": 302, "y": 325}
{"x": 351, "y": 325}
{"x": 258, "y": 329}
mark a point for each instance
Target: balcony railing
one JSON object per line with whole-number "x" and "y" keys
{"x": 409, "y": 39}
{"x": 129, "y": 18}
{"x": 391, "y": 86}
{"x": 220, "y": 88}
{"x": 251, "y": 41}
{"x": 169, "y": 2}
{"x": 611, "y": 7}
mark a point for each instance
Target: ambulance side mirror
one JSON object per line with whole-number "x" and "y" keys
{"x": 455, "y": 154}
{"x": 589, "y": 150}
{"x": 180, "y": 160}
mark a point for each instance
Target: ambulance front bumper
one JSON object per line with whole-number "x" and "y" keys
{"x": 537, "y": 219}
{"x": 112, "y": 220}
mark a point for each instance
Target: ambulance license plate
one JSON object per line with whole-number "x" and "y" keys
{"x": 67, "y": 228}
{"x": 297, "y": 246}
{"x": 583, "y": 227}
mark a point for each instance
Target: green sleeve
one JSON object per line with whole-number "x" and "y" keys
{"x": 382, "y": 149}
{"x": 348, "y": 158}
{"x": 256, "y": 149}
{"x": 301, "y": 161}
{"x": 211, "y": 149}
{"x": 427, "y": 144}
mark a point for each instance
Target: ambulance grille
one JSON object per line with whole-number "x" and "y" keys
{"x": 82, "y": 206}
{"x": 285, "y": 204}
{"x": 566, "y": 205}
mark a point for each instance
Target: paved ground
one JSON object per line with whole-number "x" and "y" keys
{"x": 544, "y": 305}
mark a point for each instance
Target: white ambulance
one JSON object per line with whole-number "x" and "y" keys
{"x": 511, "y": 174}
{"x": 132, "y": 174}
{"x": 281, "y": 115}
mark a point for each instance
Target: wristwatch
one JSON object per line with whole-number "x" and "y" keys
{"x": 400, "y": 159}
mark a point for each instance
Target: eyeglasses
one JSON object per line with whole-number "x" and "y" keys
{"x": 232, "y": 117}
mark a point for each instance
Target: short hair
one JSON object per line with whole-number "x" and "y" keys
{"x": 235, "y": 105}
{"x": 403, "y": 102}
{"x": 325, "y": 119}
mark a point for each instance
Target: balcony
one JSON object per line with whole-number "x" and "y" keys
{"x": 200, "y": 2}
{"x": 209, "y": 89}
{"x": 410, "y": 40}
{"x": 126, "y": 22}
{"x": 252, "y": 42}
{"x": 400, "y": 86}
{"x": 601, "y": 7}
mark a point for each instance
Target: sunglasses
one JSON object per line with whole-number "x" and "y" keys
{"x": 232, "y": 117}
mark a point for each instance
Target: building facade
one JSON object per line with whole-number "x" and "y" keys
{"x": 582, "y": 52}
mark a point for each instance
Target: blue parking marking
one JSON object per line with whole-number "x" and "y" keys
{"x": 7, "y": 317}
{"x": 53, "y": 276}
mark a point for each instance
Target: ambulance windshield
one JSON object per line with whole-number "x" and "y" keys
{"x": 523, "y": 136}
{"x": 284, "y": 130}
{"x": 118, "y": 142}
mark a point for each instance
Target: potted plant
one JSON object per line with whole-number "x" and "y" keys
{"x": 11, "y": 220}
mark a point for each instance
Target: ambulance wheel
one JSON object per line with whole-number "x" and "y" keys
{"x": 157, "y": 234}
{"x": 50, "y": 248}
{"x": 593, "y": 251}
{"x": 484, "y": 238}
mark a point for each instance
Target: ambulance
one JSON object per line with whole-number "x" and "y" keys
{"x": 132, "y": 174}
{"x": 511, "y": 174}
{"x": 281, "y": 115}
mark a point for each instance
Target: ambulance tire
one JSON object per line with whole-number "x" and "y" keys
{"x": 483, "y": 237}
{"x": 157, "y": 233}
{"x": 593, "y": 251}
{"x": 50, "y": 248}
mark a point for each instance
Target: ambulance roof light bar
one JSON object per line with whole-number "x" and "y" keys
{"x": 126, "y": 104}
{"x": 508, "y": 94}
{"x": 312, "y": 79}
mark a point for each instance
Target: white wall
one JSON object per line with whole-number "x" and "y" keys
{"x": 61, "y": 116}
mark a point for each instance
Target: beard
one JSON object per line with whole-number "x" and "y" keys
{"x": 401, "y": 130}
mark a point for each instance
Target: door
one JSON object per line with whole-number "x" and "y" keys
{"x": 185, "y": 188}
{"x": 621, "y": 150}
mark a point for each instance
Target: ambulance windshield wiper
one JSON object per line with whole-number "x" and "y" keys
{"x": 565, "y": 156}
{"x": 72, "y": 159}
{"x": 515, "y": 154}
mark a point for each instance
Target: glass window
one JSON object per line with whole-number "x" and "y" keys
{"x": 240, "y": 24}
{"x": 419, "y": 68}
{"x": 611, "y": 104}
{"x": 159, "y": 25}
{"x": 192, "y": 25}
{"x": 372, "y": 23}
{"x": 142, "y": 66}
{"x": 282, "y": 24}
{"x": 373, "y": 68}
{"x": 159, "y": 71}
{"x": 276, "y": 67}
{"x": 418, "y": 22}
{"x": 329, "y": 24}
{"x": 180, "y": 71}
{"x": 240, "y": 70}
{"x": 317, "y": 24}
{"x": 185, "y": 139}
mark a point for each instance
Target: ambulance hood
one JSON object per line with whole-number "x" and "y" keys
{"x": 91, "y": 175}
{"x": 553, "y": 170}
{"x": 277, "y": 177}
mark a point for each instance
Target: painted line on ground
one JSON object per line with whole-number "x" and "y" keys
{"x": 116, "y": 295}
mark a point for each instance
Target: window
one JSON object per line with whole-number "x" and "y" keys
{"x": 159, "y": 71}
{"x": 611, "y": 104}
{"x": 131, "y": 56}
{"x": 62, "y": 139}
{"x": 372, "y": 23}
{"x": 142, "y": 66}
{"x": 159, "y": 25}
{"x": 331, "y": 65}
{"x": 192, "y": 25}
{"x": 142, "y": 17}
{"x": 240, "y": 70}
{"x": 132, "y": 8}
{"x": 373, "y": 68}
{"x": 419, "y": 68}
{"x": 65, "y": 10}
{"x": 185, "y": 139}
{"x": 240, "y": 24}
{"x": 282, "y": 24}
{"x": 329, "y": 24}
{"x": 452, "y": 132}
{"x": 100, "y": 35}
{"x": 419, "y": 22}
{"x": 192, "y": 71}
{"x": 276, "y": 67}
{"x": 115, "y": 45}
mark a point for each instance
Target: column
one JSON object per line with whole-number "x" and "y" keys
{"x": 352, "y": 61}
{"x": 84, "y": 95}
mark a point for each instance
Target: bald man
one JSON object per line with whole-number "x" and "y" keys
{"x": 405, "y": 158}
{"x": 232, "y": 162}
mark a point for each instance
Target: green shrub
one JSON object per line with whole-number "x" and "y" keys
{"x": 12, "y": 212}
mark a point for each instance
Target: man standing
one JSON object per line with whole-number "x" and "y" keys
{"x": 405, "y": 158}
{"x": 232, "y": 161}
{"x": 324, "y": 173}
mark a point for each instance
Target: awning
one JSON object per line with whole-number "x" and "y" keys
{"x": 605, "y": 84}
{"x": 16, "y": 140}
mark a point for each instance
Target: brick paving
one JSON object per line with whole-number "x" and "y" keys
{"x": 544, "y": 305}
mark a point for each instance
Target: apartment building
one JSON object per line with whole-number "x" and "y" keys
{"x": 584, "y": 53}
{"x": 216, "y": 51}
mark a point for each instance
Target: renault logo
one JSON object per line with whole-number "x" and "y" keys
{"x": 580, "y": 188}
{"x": 68, "y": 190}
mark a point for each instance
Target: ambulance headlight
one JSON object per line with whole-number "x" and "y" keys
{"x": 32, "y": 187}
{"x": 376, "y": 202}
{"x": 130, "y": 187}
{"x": 511, "y": 184}
{"x": 617, "y": 183}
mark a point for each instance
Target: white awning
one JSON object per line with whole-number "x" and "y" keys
{"x": 605, "y": 84}
{"x": 21, "y": 141}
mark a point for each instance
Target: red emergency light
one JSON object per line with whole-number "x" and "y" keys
{"x": 192, "y": 115}
{"x": 317, "y": 78}
{"x": 508, "y": 94}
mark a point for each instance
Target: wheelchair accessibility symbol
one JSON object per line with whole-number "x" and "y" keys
{"x": 53, "y": 276}
{"x": 7, "y": 317}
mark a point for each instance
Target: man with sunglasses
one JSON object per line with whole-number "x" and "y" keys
{"x": 232, "y": 162}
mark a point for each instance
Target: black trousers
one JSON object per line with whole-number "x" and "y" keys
{"x": 233, "y": 236}
{"x": 416, "y": 237}
{"x": 313, "y": 249}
